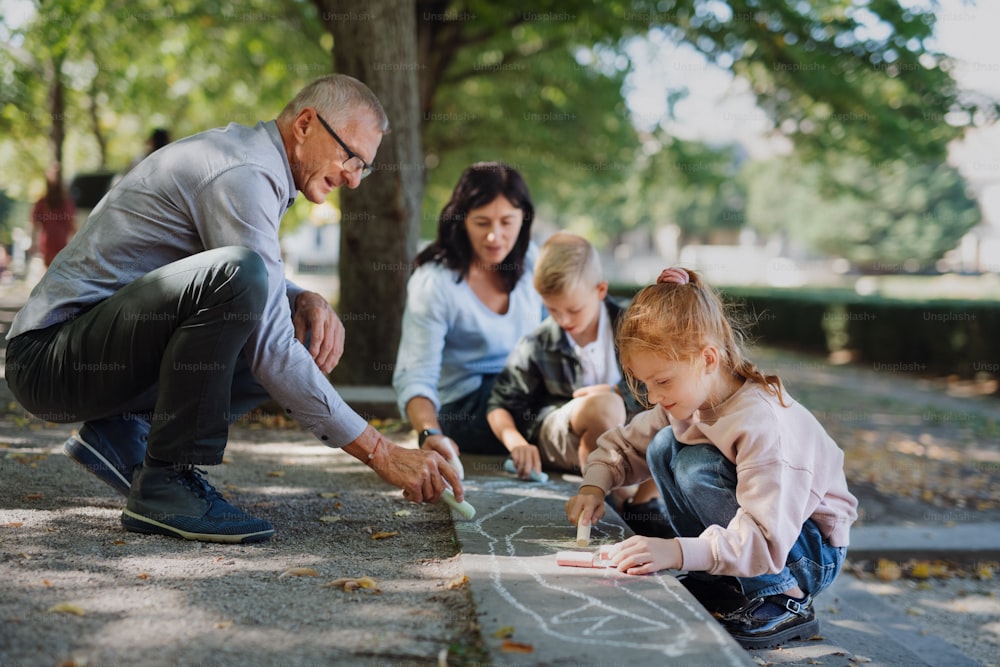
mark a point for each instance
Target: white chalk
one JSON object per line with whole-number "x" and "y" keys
{"x": 463, "y": 508}
{"x": 535, "y": 476}
{"x": 582, "y": 534}
{"x": 456, "y": 463}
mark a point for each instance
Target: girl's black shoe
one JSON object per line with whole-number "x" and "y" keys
{"x": 767, "y": 622}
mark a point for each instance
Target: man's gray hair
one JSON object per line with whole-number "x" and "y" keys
{"x": 336, "y": 97}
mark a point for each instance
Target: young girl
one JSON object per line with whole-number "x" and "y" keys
{"x": 754, "y": 487}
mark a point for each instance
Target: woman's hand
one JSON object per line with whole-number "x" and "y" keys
{"x": 645, "y": 555}
{"x": 588, "y": 505}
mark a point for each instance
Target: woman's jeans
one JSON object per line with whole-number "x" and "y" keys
{"x": 698, "y": 485}
{"x": 464, "y": 421}
{"x": 165, "y": 352}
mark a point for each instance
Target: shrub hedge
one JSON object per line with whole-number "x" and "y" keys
{"x": 960, "y": 338}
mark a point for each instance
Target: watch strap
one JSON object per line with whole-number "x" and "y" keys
{"x": 426, "y": 433}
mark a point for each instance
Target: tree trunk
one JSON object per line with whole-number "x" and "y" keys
{"x": 376, "y": 43}
{"x": 57, "y": 112}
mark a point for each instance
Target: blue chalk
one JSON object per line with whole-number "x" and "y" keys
{"x": 535, "y": 476}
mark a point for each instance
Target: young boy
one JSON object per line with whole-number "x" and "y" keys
{"x": 562, "y": 386}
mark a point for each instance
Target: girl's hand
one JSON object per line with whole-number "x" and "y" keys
{"x": 645, "y": 555}
{"x": 527, "y": 459}
{"x": 588, "y": 504}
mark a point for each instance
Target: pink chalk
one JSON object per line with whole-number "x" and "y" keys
{"x": 599, "y": 558}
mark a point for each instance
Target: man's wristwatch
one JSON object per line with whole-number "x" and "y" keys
{"x": 426, "y": 433}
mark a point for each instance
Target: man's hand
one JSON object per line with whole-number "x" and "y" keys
{"x": 315, "y": 319}
{"x": 423, "y": 475}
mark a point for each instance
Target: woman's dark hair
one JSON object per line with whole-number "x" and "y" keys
{"x": 479, "y": 185}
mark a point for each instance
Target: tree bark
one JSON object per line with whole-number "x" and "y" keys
{"x": 376, "y": 43}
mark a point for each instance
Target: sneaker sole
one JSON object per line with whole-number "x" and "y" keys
{"x": 137, "y": 523}
{"x": 91, "y": 460}
{"x": 799, "y": 632}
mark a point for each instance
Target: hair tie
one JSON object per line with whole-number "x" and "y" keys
{"x": 674, "y": 274}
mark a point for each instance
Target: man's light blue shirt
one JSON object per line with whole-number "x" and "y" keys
{"x": 224, "y": 187}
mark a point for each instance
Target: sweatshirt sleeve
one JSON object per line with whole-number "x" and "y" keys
{"x": 620, "y": 457}
{"x": 773, "y": 496}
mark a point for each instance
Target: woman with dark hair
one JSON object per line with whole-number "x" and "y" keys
{"x": 469, "y": 300}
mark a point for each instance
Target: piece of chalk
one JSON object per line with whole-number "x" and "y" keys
{"x": 583, "y": 534}
{"x": 463, "y": 508}
{"x": 456, "y": 463}
{"x": 599, "y": 558}
{"x": 535, "y": 476}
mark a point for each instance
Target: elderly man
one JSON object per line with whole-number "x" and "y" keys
{"x": 169, "y": 315}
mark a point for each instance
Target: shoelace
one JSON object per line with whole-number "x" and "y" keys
{"x": 193, "y": 479}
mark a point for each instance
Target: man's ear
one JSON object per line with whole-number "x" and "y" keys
{"x": 301, "y": 124}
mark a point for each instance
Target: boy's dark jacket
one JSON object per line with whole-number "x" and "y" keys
{"x": 541, "y": 374}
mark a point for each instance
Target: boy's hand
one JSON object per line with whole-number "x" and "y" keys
{"x": 645, "y": 555}
{"x": 588, "y": 504}
{"x": 527, "y": 459}
{"x": 593, "y": 389}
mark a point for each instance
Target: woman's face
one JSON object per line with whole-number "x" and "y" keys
{"x": 493, "y": 230}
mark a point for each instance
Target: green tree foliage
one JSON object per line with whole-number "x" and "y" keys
{"x": 884, "y": 218}
{"x": 127, "y": 66}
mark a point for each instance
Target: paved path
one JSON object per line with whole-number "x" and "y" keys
{"x": 581, "y": 616}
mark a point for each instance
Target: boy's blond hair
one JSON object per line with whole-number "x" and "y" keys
{"x": 565, "y": 262}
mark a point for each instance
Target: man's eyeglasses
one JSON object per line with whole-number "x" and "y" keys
{"x": 353, "y": 161}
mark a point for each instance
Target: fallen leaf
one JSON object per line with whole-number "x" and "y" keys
{"x": 887, "y": 570}
{"x": 511, "y": 646}
{"x": 330, "y": 518}
{"x": 457, "y": 582}
{"x": 223, "y": 625}
{"x": 402, "y": 513}
{"x": 13, "y": 524}
{"x": 351, "y": 584}
{"x": 142, "y": 575}
{"x": 34, "y": 496}
{"x": 504, "y": 632}
{"x": 276, "y": 473}
{"x": 921, "y": 570}
{"x": 384, "y": 534}
{"x": 915, "y": 611}
{"x": 67, "y": 608}
{"x": 329, "y": 494}
{"x": 299, "y": 572}
{"x": 119, "y": 543}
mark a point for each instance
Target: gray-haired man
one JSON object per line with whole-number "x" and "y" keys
{"x": 169, "y": 315}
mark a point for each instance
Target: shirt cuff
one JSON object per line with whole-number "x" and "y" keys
{"x": 599, "y": 476}
{"x": 696, "y": 553}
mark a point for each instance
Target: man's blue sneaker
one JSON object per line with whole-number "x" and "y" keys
{"x": 110, "y": 448}
{"x": 179, "y": 502}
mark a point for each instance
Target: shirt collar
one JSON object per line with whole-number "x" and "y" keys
{"x": 272, "y": 131}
